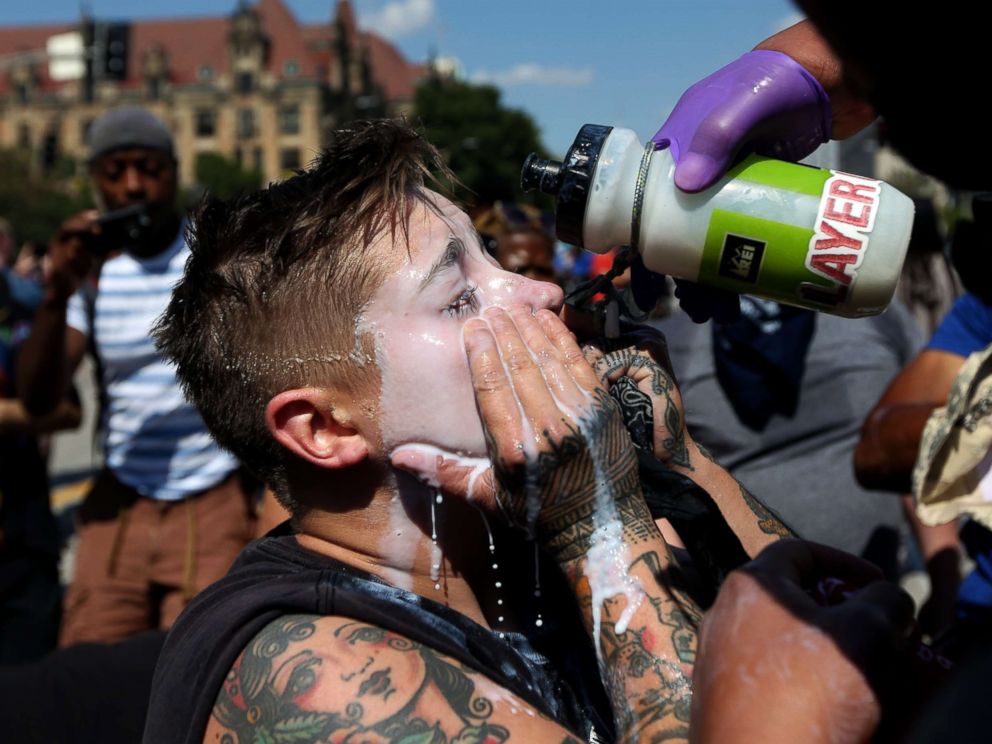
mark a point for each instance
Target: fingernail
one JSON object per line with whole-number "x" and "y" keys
{"x": 493, "y": 312}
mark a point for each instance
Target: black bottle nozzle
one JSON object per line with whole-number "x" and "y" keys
{"x": 541, "y": 174}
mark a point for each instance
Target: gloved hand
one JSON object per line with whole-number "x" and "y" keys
{"x": 763, "y": 102}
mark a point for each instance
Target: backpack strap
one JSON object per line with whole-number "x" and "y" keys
{"x": 88, "y": 291}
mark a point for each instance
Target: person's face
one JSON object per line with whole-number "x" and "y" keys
{"x": 136, "y": 176}
{"x": 416, "y": 320}
{"x": 526, "y": 253}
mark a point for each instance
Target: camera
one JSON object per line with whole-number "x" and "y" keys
{"x": 120, "y": 228}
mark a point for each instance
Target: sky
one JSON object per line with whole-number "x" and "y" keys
{"x": 617, "y": 62}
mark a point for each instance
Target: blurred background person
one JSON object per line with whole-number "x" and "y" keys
{"x": 520, "y": 237}
{"x": 169, "y": 511}
{"x": 30, "y": 595}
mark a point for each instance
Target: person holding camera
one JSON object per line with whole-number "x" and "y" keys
{"x": 170, "y": 510}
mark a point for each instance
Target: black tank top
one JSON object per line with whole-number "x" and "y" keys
{"x": 553, "y": 668}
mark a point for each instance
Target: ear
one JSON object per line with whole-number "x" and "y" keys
{"x": 304, "y": 422}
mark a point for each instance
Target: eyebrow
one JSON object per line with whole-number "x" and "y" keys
{"x": 452, "y": 254}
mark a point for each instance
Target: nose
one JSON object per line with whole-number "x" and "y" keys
{"x": 537, "y": 294}
{"x": 133, "y": 182}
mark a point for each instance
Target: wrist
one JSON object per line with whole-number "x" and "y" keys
{"x": 56, "y": 297}
{"x": 568, "y": 538}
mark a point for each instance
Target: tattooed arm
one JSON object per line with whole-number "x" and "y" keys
{"x": 565, "y": 470}
{"x": 643, "y": 357}
{"x": 306, "y": 679}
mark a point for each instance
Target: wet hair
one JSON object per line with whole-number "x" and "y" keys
{"x": 277, "y": 278}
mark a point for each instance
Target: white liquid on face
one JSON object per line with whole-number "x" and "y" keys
{"x": 478, "y": 465}
{"x": 426, "y": 392}
{"x": 426, "y": 397}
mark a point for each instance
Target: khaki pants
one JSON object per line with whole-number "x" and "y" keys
{"x": 139, "y": 561}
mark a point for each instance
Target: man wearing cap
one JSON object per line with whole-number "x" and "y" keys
{"x": 169, "y": 511}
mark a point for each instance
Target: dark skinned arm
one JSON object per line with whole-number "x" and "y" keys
{"x": 890, "y": 436}
{"x": 15, "y": 419}
{"x": 804, "y": 44}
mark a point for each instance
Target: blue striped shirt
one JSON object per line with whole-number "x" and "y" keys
{"x": 153, "y": 439}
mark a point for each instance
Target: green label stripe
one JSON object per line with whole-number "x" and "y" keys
{"x": 803, "y": 179}
{"x": 750, "y": 255}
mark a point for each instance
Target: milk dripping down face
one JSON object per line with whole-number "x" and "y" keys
{"x": 416, "y": 320}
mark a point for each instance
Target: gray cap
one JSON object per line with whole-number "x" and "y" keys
{"x": 128, "y": 126}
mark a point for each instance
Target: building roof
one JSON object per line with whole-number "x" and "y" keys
{"x": 191, "y": 43}
{"x": 18, "y": 40}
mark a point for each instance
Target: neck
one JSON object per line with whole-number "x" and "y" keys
{"x": 396, "y": 529}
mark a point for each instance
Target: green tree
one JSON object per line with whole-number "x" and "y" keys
{"x": 224, "y": 178}
{"x": 484, "y": 142}
{"x": 34, "y": 204}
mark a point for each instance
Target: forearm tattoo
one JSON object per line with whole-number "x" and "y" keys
{"x": 558, "y": 491}
{"x": 768, "y": 522}
{"x": 650, "y": 690}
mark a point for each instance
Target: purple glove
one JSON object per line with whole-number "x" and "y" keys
{"x": 763, "y": 102}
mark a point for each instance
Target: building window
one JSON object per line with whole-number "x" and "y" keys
{"x": 246, "y": 123}
{"x": 205, "y": 123}
{"x": 246, "y": 82}
{"x": 257, "y": 158}
{"x": 289, "y": 119}
{"x": 23, "y": 93}
{"x": 289, "y": 158}
{"x": 24, "y": 135}
{"x": 291, "y": 68}
{"x": 205, "y": 73}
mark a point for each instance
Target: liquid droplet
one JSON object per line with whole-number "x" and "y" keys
{"x": 435, "y": 550}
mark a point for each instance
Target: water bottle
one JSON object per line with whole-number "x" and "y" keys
{"x": 804, "y": 236}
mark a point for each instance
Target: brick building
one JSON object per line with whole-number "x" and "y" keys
{"x": 258, "y": 86}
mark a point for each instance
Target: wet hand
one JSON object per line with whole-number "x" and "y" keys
{"x": 554, "y": 436}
